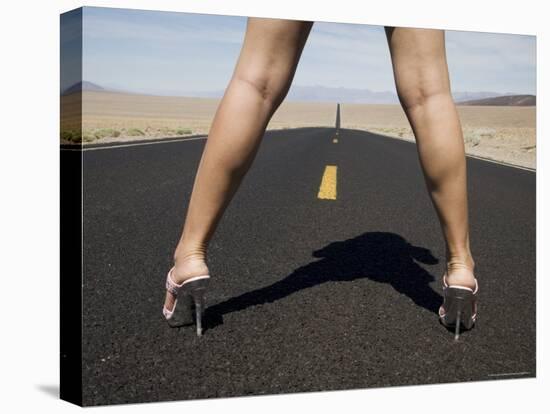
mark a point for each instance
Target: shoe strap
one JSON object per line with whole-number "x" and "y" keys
{"x": 168, "y": 313}
{"x": 172, "y": 286}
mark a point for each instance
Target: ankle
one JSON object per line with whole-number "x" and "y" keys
{"x": 463, "y": 260}
{"x": 460, "y": 270}
{"x": 189, "y": 263}
{"x": 189, "y": 251}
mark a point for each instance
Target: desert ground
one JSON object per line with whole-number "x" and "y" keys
{"x": 503, "y": 133}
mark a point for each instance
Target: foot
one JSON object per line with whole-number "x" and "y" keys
{"x": 460, "y": 271}
{"x": 183, "y": 270}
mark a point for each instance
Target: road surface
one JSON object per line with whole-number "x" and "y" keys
{"x": 307, "y": 293}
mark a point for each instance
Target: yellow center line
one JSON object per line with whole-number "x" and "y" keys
{"x": 327, "y": 190}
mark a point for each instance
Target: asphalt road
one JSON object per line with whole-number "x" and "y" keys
{"x": 307, "y": 294}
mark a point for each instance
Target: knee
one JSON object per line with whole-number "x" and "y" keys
{"x": 270, "y": 86}
{"x": 419, "y": 95}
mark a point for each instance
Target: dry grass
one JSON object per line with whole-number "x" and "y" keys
{"x": 502, "y": 133}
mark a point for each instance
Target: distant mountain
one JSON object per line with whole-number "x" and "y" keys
{"x": 82, "y": 86}
{"x": 349, "y": 95}
{"x": 462, "y": 96}
{"x": 317, "y": 93}
{"x": 366, "y": 96}
{"x": 508, "y": 100}
{"x": 299, "y": 93}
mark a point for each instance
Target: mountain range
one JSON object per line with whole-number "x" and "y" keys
{"x": 509, "y": 100}
{"x": 319, "y": 93}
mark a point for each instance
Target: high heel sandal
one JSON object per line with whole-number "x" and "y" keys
{"x": 193, "y": 293}
{"x": 459, "y": 307}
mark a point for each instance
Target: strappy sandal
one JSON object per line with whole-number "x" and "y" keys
{"x": 459, "y": 306}
{"x": 190, "y": 291}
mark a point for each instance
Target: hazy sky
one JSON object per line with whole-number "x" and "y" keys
{"x": 177, "y": 53}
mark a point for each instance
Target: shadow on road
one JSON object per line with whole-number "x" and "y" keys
{"x": 378, "y": 256}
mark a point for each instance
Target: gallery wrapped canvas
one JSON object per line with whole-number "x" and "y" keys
{"x": 256, "y": 206}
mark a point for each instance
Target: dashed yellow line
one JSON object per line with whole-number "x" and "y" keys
{"x": 327, "y": 190}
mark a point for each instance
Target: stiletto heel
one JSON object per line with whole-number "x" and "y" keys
{"x": 195, "y": 287}
{"x": 198, "y": 315}
{"x": 459, "y": 308}
{"x": 457, "y": 324}
{"x": 193, "y": 290}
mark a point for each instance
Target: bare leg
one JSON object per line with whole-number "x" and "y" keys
{"x": 261, "y": 79}
{"x": 422, "y": 81}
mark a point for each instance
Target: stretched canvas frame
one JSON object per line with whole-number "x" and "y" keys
{"x": 309, "y": 292}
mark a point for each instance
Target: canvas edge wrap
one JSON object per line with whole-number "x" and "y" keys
{"x": 71, "y": 223}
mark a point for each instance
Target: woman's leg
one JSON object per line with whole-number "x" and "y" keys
{"x": 422, "y": 81}
{"x": 260, "y": 81}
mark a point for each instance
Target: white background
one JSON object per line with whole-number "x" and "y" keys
{"x": 29, "y": 226}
